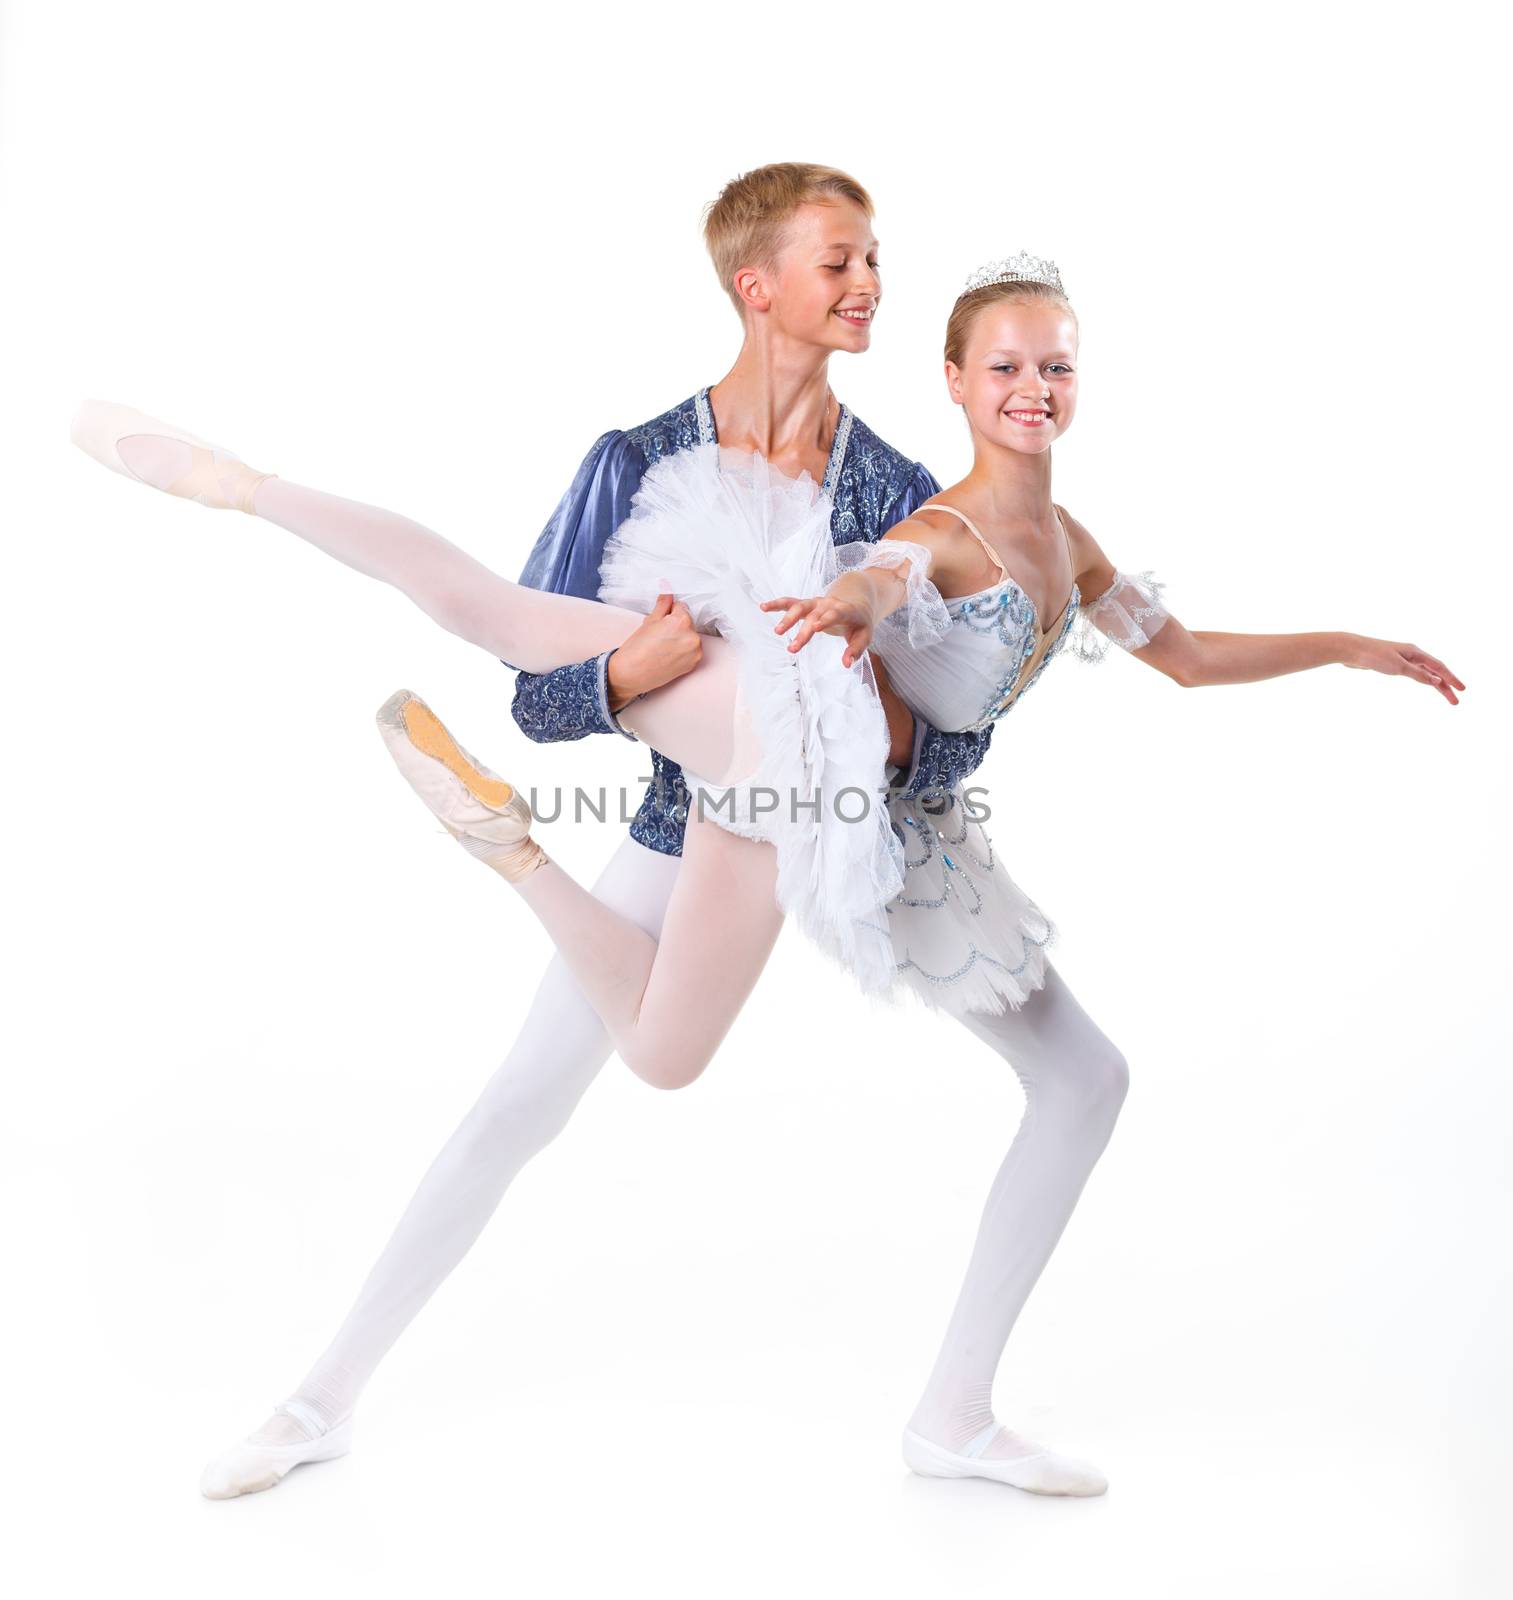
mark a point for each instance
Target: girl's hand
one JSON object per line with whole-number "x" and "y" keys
{"x": 1403, "y": 661}
{"x": 850, "y": 619}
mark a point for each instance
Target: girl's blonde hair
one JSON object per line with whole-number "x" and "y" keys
{"x": 744, "y": 227}
{"x": 974, "y": 302}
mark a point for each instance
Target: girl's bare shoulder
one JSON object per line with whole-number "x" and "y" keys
{"x": 928, "y": 526}
{"x": 952, "y": 549}
{"x": 1092, "y": 569}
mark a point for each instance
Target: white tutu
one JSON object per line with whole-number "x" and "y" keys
{"x": 965, "y": 936}
{"x": 722, "y": 530}
{"x": 905, "y": 894}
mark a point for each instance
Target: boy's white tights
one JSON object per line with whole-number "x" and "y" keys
{"x": 1074, "y": 1081}
{"x": 556, "y": 1055}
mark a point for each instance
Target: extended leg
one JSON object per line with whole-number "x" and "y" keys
{"x": 1074, "y": 1081}
{"x": 556, "y": 1055}
{"x": 694, "y": 721}
{"x": 530, "y": 630}
{"x": 697, "y": 721}
{"x": 445, "y": 582}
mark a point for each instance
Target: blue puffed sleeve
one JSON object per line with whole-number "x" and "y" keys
{"x": 940, "y": 760}
{"x": 913, "y": 491}
{"x": 574, "y": 700}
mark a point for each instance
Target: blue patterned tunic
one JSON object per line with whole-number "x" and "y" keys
{"x": 873, "y": 487}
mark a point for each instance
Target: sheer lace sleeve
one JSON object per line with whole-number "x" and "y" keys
{"x": 1129, "y": 613}
{"x": 922, "y": 618}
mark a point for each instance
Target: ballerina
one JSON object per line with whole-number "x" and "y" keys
{"x": 758, "y": 719}
{"x": 637, "y": 984}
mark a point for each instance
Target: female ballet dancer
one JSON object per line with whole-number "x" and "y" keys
{"x": 1036, "y": 1188}
{"x": 913, "y": 895}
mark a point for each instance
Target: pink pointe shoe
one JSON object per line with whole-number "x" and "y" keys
{"x": 488, "y": 817}
{"x": 200, "y": 471}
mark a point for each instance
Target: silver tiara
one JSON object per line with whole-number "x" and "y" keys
{"x": 1021, "y": 268}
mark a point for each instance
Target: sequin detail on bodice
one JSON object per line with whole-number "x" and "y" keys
{"x": 1006, "y": 615}
{"x": 993, "y": 653}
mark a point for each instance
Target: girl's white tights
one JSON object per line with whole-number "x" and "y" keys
{"x": 694, "y": 720}
{"x": 667, "y": 1003}
{"x": 1074, "y": 1082}
{"x": 1074, "y": 1078}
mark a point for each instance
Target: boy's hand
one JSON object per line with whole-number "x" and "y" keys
{"x": 664, "y": 647}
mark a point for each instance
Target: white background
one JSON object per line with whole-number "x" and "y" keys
{"x": 423, "y": 258}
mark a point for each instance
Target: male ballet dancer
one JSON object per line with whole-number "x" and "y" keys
{"x": 792, "y": 245}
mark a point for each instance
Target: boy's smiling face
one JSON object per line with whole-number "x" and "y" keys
{"x": 824, "y": 287}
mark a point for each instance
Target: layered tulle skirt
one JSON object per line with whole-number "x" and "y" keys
{"x": 906, "y": 894}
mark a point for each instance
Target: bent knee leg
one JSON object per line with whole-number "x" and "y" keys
{"x": 1109, "y": 1078}
{"x": 1079, "y": 1078}
{"x": 1074, "y": 1057}
{"x": 1104, "y": 1070}
{"x": 1087, "y": 1086}
{"x": 669, "y": 1066}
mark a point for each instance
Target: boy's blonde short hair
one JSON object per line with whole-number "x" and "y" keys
{"x": 744, "y": 227}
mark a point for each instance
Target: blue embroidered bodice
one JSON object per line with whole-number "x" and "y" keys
{"x": 873, "y": 486}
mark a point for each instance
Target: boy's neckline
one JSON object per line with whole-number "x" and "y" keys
{"x": 838, "y": 444}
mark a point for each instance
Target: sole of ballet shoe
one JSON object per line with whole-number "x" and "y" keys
{"x": 429, "y": 734}
{"x": 1044, "y": 1473}
{"x": 489, "y": 817}
{"x": 249, "y": 1468}
{"x": 99, "y": 426}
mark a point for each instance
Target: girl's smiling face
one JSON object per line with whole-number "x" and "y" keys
{"x": 1017, "y": 381}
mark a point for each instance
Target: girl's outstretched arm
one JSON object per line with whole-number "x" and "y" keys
{"x": 1197, "y": 659}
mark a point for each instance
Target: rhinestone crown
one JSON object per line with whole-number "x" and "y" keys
{"x": 1021, "y": 268}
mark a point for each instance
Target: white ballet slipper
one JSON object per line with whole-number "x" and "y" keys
{"x": 489, "y": 817}
{"x": 249, "y": 1466}
{"x": 1044, "y": 1472}
{"x": 216, "y": 477}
